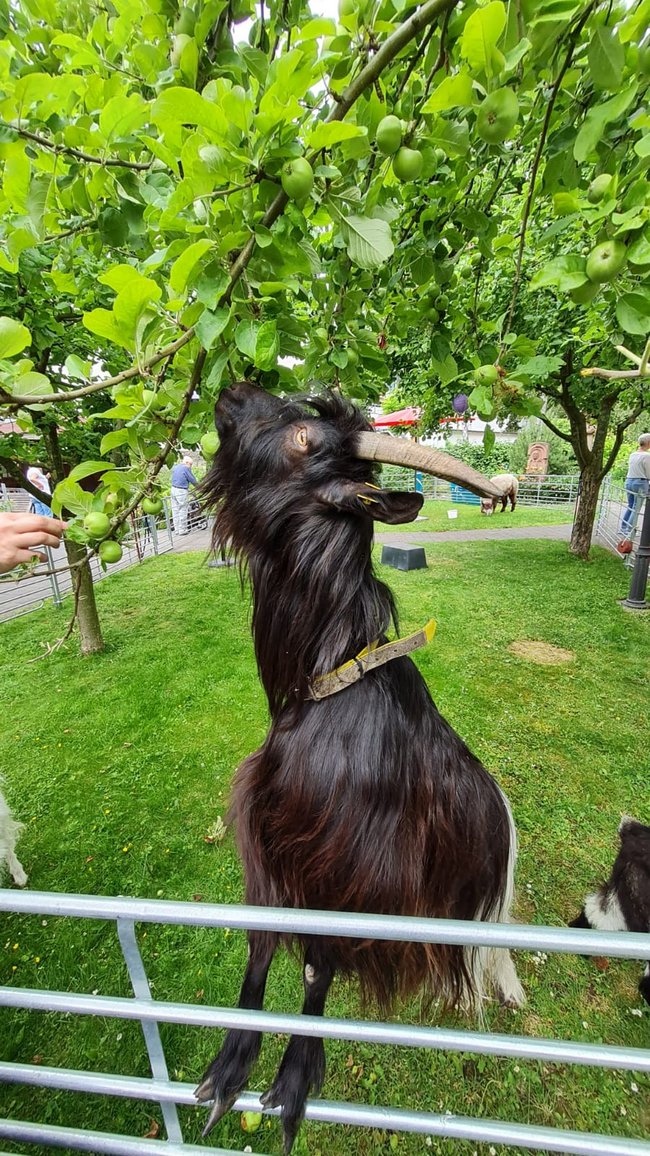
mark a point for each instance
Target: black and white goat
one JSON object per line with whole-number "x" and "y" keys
{"x": 623, "y": 902}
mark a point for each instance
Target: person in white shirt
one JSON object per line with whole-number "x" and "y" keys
{"x": 37, "y": 478}
{"x": 637, "y": 482}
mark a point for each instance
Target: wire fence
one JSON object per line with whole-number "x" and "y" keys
{"x": 146, "y": 537}
{"x": 125, "y": 912}
{"x": 551, "y": 490}
{"x": 612, "y": 503}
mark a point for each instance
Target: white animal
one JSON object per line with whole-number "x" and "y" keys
{"x": 9, "y": 831}
{"x": 509, "y": 486}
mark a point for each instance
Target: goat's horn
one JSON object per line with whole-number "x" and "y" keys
{"x": 378, "y": 447}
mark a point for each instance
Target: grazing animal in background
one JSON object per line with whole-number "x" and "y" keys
{"x": 508, "y": 485}
{"x": 10, "y": 829}
{"x": 623, "y": 902}
{"x": 363, "y": 800}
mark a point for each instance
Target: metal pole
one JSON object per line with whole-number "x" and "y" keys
{"x": 636, "y": 599}
{"x": 54, "y": 582}
{"x": 141, "y": 990}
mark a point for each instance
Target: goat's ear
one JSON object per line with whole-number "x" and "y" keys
{"x": 365, "y": 500}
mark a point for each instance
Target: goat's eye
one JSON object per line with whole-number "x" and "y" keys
{"x": 301, "y": 437}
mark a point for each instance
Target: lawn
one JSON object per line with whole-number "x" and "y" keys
{"x": 120, "y": 766}
{"x": 435, "y": 517}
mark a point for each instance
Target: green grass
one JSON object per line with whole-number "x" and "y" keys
{"x": 120, "y": 766}
{"x": 435, "y": 518}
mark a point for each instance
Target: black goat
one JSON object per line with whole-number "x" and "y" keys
{"x": 365, "y": 800}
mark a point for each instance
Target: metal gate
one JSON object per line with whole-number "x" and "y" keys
{"x": 168, "y": 1093}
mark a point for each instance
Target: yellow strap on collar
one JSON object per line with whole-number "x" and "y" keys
{"x": 368, "y": 659}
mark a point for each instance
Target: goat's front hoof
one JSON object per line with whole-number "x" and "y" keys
{"x": 302, "y": 1071}
{"x": 208, "y": 1090}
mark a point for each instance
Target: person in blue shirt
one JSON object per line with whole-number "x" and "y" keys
{"x": 182, "y": 479}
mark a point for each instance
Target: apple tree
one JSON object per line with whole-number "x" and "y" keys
{"x": 221, "y": 188}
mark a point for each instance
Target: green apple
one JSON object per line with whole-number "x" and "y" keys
{"x": 407, "y": 164}
{"x": 297, "y": 178}
{"x": 97, "y": 524}
{"x": 209, "y": 443}
{"x": 599, "y": 188}
{"x": 497, "y": 116}
{"x": 486, "y": 375}
{"x": 389, "y": 135}
{"x": 151, "y": 505}
{"x": 110, "y": 551}
{"x": 251, "y": 1121}
{"x": 605, "y": 261}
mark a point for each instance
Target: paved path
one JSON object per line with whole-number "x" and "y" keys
{"x": 200, "y": 540}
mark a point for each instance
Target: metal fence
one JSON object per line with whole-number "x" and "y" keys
{"x": 146, "y": 537}
{"x": 612, "y": 502}
{"x": 553, "y": 490}
{"x": 170, "y": 1093}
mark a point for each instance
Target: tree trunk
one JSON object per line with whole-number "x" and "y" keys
{"x": 90, "y": 631}
{"x": 585, "y": 514}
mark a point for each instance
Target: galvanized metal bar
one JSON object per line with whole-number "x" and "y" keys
{"x": 526, "y": 937}
{"x": 364, "y": 1031}
{"x": 447, "y": 1125}
{"x": 104, "y": 1143}
{"x": 153, "y": 1042}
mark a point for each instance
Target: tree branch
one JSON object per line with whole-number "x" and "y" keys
{"x": 66, "y": 150}
{"x": 534, "y": 170}
{"x": 556, "y": 429}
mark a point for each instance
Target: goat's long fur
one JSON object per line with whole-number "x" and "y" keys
{"x": 365, "y": 801}
{"x": 10, "y": 829}
{"x": 622, "y": 903}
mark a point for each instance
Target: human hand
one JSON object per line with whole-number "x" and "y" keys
{"x": 21, "y": 533}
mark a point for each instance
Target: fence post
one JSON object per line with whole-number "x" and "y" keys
{"x": 636, "y": 599}
{"x": 154, "y": 532}
{"x": 54, "y": 581}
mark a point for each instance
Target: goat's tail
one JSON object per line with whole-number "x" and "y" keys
{"x": 493, "y": 966}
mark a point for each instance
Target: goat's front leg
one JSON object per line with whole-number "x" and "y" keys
{"x": 303, "y": 1065}
{"x": 227, "y": 1074}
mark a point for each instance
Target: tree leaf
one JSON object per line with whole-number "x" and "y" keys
{"x": 87, "y": 469}
{"x": 69, "y": 495}
{"x": 597, "y": 119}
{"x": 211, "y": 285}
{"x": 324, "y": 135}
{"x": 633, "y": 312}
{"x": 183, "y": 265}
{"x": 32, "y": 385}
{"x": 267, "y": 345}
{"x": 481, "y": 35}
{"x": 211, "y": 325}
{"x": 452, "y": 92}
{"x": 539, "y": 366}
{"x": 14, "y": 337}
{"x": 642, "y": 146}
{"x": 369, "y": 241}
{"x": 246, "y": 338}
{"x": 563, "y": 273}
{"x": 639, "y": 251}
{"x": 606, "y": 58}
{"x": 102, "y": 322}
{"x": 110, "y": 441}
{"x": 178, "y": 106}
{"x": 122, "y": 115}
{"x": 489, "y": 439}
